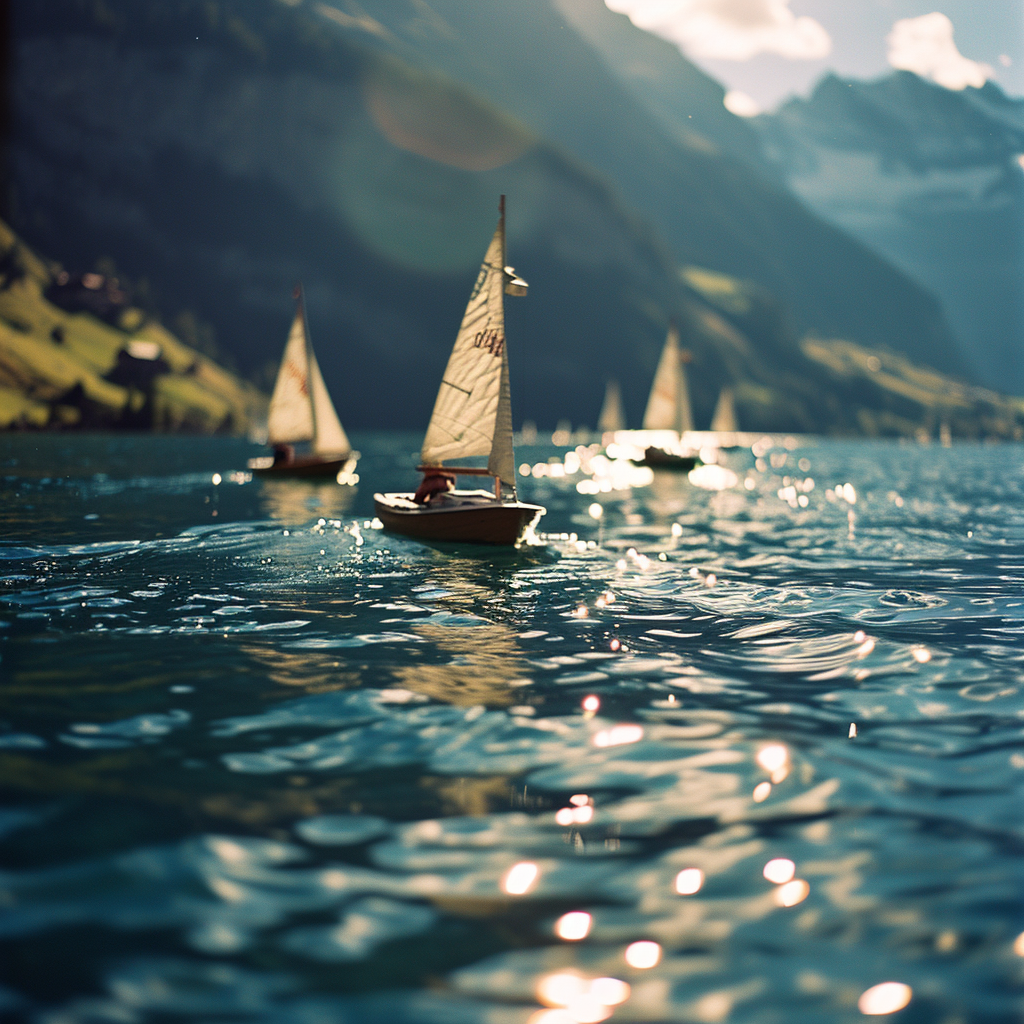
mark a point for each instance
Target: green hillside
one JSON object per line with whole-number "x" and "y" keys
{"x": 65, "y": 370}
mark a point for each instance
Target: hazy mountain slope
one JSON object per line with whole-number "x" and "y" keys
{"x": 932, "y": 180}
{"x": 688, "y": 101}
{"x": 227, "y": 167}
{"x": 713, "y": 209}
{"x": 224, "y": 150}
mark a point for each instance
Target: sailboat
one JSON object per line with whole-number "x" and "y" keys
{"x": 301, "y": 410}
{"x": 472, "y": 417}
{"x": 612, "y": 417}
{"x": 668, "y": 409}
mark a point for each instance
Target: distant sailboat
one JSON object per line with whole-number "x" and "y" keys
{"x": 472, "y": 417}
{"x": 723, "y": 420}
{"x": 301, "y": 411}
{"x": 668, "y": 407}
{"x": 612, "y": 417}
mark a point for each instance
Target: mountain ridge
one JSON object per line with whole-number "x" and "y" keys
{"x": 279, "y": 146}
{"x": 931, "y": 179}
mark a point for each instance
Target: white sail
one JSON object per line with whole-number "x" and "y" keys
{"x": 612, "y": 417}
{"x": 291, "y": 413}
{"x": 329, "y": 437}
{"x": 473, "y": 411}
{"x": 668, "y": 407}
{"x": 724, "y": 418}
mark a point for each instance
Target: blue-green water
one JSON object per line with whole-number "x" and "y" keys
{"x": 261, "y": 762}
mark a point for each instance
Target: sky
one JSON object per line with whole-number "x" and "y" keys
{"x": 763, "y": 51}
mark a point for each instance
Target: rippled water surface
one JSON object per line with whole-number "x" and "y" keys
{"x": 262, "y": 762}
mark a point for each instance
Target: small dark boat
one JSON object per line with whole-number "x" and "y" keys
{"x": 658, "y": 458}
{"x": 301, "y": 411}
{"x": 472, "y": 416}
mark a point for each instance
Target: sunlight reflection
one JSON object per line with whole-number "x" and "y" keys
{"x": 520, "y": 877}
{"x": 643, "y": 955}
{"x": 888, "y": 997}
{"x": 761, "y": 792}
{"x": 573, "y": 926}
{"x": 779, "y": 870}
{"x": 618, "y": 735}
{"x": 792, "y": 893}
{"x": 774, "y": 759}
{"x": 584, "y": 1002}
{"x": 574, "y": 815}
{"x": 689, "y": 881}
{"x": 560, "y": 989}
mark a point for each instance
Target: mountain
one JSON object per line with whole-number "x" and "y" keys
{"x": 931, "y": 179}
{"x": 688, "y": 103}
{"x": 712, "y": 208}
{"x": 74, "y": 353}
{"x": 223, "y": 150}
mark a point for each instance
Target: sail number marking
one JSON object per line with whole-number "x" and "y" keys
{"x": 298, "y": 376}
{"x": 491, "y": 339}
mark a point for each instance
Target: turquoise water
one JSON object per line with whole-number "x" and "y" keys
{"x": 261, "y": 762}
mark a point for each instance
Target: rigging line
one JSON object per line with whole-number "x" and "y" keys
{"x": 457, "y": 388}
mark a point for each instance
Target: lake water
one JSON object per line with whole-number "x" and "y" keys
{"x": 746, "y": 756}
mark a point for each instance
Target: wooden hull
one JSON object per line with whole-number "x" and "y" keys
{"x": 458, "y": 518}
{"x": 658, "y": 458}
{"x": 308, "y": 466}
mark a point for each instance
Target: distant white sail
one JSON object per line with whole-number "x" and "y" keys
{"x": 300, "y": 407}
{"x": 668, "y": 407}
{"x": 612, "y": 417}
{"x": 473, "y": 411}
{"x": 291, "y": 413}
{"x": 724, "y": 418}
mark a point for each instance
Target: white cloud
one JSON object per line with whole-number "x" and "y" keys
{"x": 740, "y": 104}
{"x": 925, "y": 45}
{"x": 729, "y": 29}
